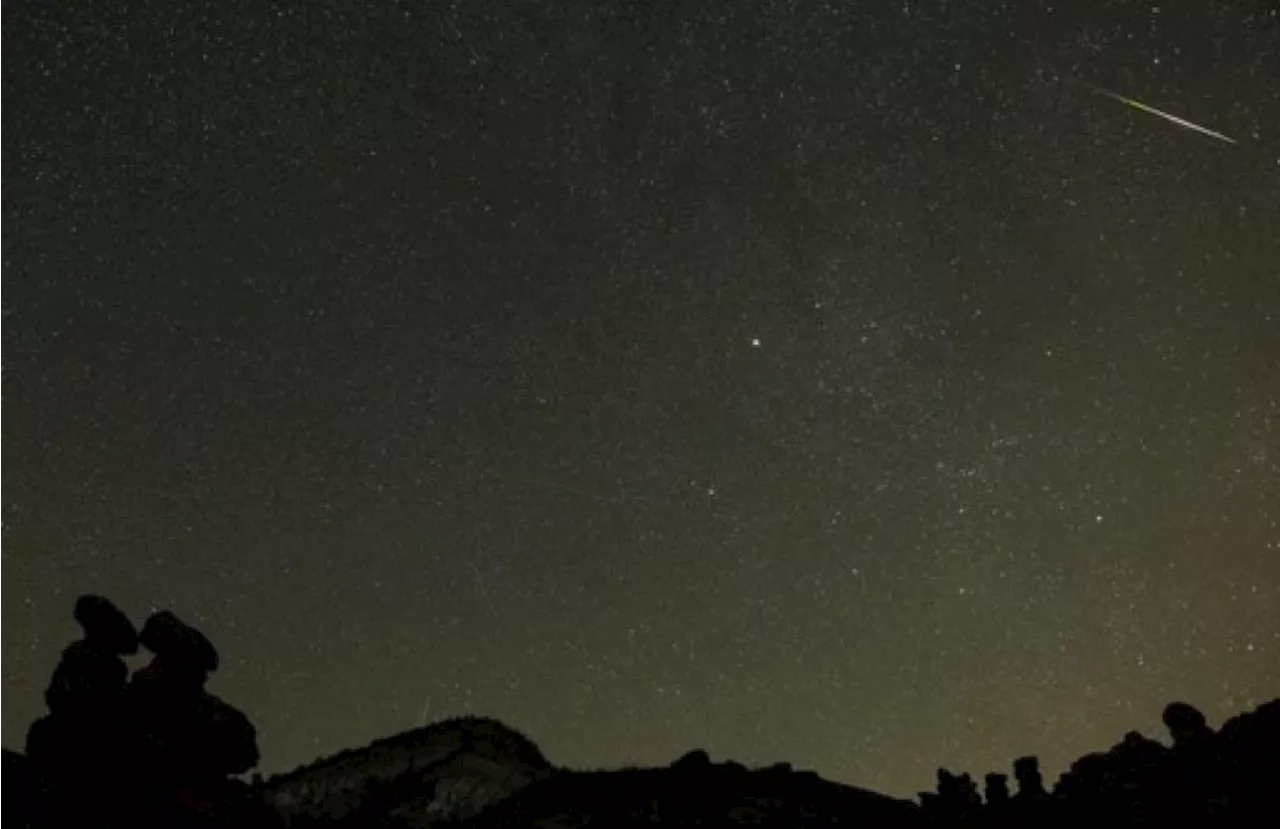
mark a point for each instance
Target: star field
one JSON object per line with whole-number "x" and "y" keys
{"x": 848, "y": 384}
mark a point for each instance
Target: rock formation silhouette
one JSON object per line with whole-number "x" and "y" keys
{"x": 154, "y": 749}
{"x": 79, "y": 743}
{"x": 187, "y": 734}
{"x": 1206, "y": 779}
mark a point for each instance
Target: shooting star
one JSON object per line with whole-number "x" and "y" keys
{"x": 1182, "y": 122}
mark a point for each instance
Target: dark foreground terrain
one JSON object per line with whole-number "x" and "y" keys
{"x": 155, "y": 749}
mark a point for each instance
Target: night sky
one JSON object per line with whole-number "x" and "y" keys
{"x": 854, "y": 384}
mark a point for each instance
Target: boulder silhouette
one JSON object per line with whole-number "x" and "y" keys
{"x": 91, "y": 675}
{"x": 106, "y": 625}
{"x": 78, "y": 751}
{"x": 1187, "y": 726}
{"x": 173, "y": 640}
{"x": 182, "y": 732}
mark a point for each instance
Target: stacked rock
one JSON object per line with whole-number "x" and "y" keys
{"x": 168, "y": 706}
{"x": 81, "y": 734}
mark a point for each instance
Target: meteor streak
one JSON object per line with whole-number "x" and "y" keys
{"x": 1182, "y": 122}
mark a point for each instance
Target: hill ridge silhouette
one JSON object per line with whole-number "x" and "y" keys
{"x": 408, "y": 738}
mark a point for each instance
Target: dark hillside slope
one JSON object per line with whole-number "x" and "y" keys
{"x": 693, "y": 791}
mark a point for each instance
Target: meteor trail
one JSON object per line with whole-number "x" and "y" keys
{"x": 1182, "y": 122}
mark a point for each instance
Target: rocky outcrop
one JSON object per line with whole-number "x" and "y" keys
{"x": 154, "y": 749}
{"x": 448, "y": 771}
{"x": 91, "y": 674}
{"x": 183, "y": 731}
{"x": 77, "y": 754}
{"x": 1123, "y": 782}
{"x": 1205, "y": 778}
